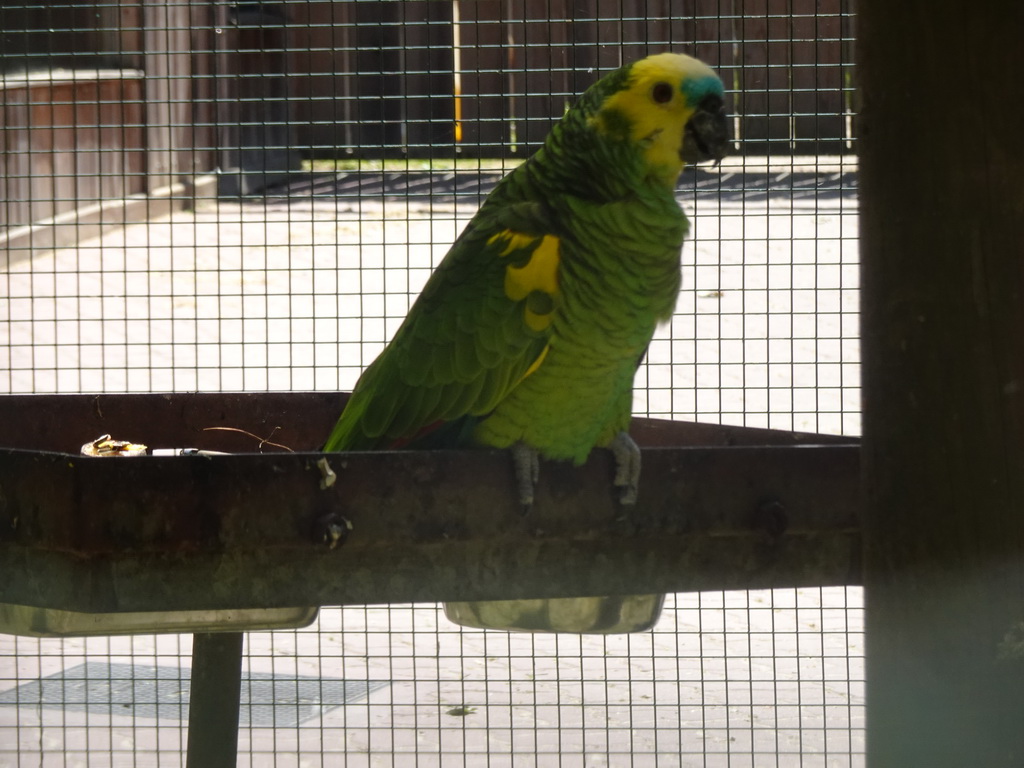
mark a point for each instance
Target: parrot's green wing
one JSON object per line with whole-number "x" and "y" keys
{"x": 479, "y": 327}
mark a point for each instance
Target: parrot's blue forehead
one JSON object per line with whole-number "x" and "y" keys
{"x": 697, "y": 88}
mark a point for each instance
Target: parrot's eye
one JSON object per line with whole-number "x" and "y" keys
{"x": 662, "y": 93}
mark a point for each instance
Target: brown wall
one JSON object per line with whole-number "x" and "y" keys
{"x": 361, "y": 88}
{"x": 67, "y": 143}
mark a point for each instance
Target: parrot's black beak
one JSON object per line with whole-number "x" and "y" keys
{"x": 706, "y": 136}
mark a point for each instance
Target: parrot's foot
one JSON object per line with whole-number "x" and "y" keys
{"x": 627, "y": 467}
{"x": 527, "y": 466}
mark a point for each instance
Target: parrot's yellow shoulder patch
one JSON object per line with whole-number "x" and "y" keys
{"x": 539, "y": 273}
{"x": 536, "y": 280}
{"x": 514, "y": 241}
{"x": 536, "y": 363}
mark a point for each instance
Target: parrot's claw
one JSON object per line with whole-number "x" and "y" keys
{"x": 527, "y": 466}
{"x": 627, "y": 467}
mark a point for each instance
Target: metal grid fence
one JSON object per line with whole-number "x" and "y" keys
{"x": 200, "y": 196}
{"x": 725, "y": 679}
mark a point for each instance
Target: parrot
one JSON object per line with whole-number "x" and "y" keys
{"x": 528, "y": 334}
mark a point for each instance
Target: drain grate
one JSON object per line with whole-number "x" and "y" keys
{"x": 162, "y": 693}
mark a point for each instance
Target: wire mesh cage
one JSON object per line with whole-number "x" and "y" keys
{"x": 217, "y": 197}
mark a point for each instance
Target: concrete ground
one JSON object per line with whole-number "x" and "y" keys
{"x": 725, "y": 679}
{"x": 301, "y": 293}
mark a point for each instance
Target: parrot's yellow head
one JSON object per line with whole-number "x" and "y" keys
{"x": 670, "y": 106}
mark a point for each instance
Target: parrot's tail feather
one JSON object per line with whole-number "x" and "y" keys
{"x": 456, "y": 433}
{"x": 405, "y": 442}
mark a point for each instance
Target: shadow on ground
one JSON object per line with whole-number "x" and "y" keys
{"x": 469, "y": 187}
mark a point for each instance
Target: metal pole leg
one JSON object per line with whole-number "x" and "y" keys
{"x": 213, "y": 700}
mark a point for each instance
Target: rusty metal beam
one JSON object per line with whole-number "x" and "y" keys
{"x": 250, "y": 530}
{"x": 299, "y": 420}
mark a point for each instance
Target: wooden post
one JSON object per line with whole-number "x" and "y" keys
{"x": 168, "y": 67}
{"x": 942, "y": 244}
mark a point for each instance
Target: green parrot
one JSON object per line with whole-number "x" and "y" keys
{"x": 528, "y": 334}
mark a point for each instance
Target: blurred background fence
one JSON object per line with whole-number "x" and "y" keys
{"x": 107, "y": 100}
